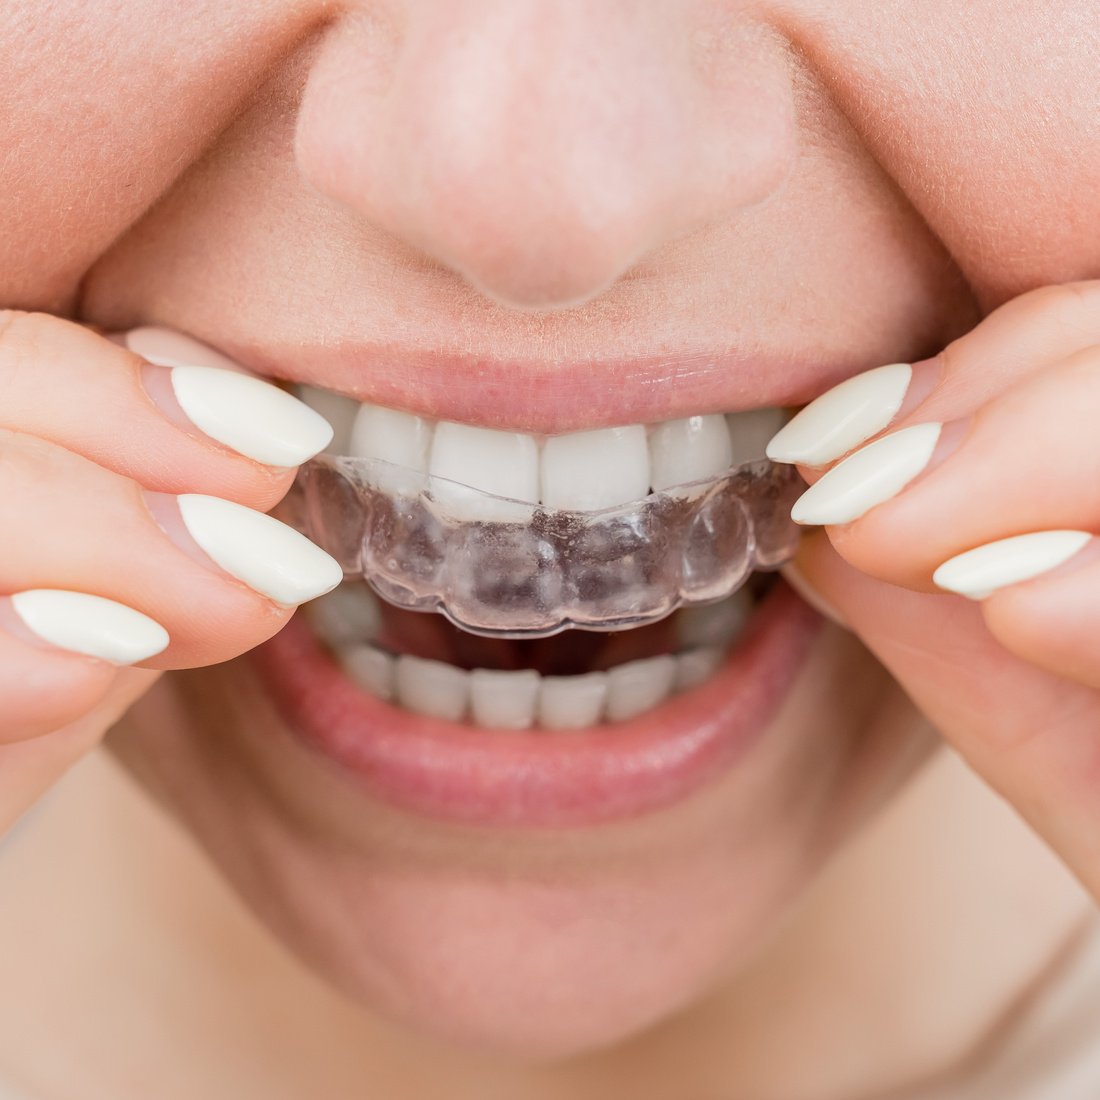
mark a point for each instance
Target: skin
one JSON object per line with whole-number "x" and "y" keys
{"x": 501, "y": 178}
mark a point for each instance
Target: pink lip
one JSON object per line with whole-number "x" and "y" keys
{"x": 549, "y": 397}
{"x": 488, "y": 777}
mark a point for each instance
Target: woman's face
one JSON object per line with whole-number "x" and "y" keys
{"x": 544, "y": 216}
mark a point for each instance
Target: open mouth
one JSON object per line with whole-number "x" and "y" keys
{"x": 500, "y": 711}
{"x": 516, "y": 536}
{"x": 572, "y": 681}
{"x": 465, "y": 715}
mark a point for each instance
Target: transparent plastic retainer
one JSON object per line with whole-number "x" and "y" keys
{"x": 534, "y": 576}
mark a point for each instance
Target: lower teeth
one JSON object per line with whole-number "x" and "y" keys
{"x": 350, "y": 621}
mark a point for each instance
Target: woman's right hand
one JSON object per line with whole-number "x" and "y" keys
{"x": 144, "y": 486}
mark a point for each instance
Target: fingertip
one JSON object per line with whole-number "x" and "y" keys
{"x": 46, "y": 690}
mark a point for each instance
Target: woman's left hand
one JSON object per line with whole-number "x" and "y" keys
{"x": 1011, "y": 675}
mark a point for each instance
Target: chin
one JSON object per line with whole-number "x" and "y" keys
{"x": 541, "y": 931}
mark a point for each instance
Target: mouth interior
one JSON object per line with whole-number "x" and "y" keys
{"x": 431, "y": 636}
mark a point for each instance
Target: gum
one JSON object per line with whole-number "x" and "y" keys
{"x": 619, "y": 567}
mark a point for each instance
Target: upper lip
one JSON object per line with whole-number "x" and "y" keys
{"x": 550, "y": 397}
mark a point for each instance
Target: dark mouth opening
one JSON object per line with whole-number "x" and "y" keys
{"x": 570, "y": 653}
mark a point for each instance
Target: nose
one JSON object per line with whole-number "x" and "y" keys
{"x": 541, "y": 148}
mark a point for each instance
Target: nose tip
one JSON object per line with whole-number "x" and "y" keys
{"x": 541, "y": 149}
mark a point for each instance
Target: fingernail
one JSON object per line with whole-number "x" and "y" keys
{"x": 843, "y": 417}
{"x": 265, "y": 554}
{"x": 167, "y": 348}
{"x": 870, "y": 476}
{"x": 979, "y": 572}
{"x": 239, "y": 410}
{"x": 91, "y": 625}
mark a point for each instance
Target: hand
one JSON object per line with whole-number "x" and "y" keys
{"x": 1011, "y": 675}
{"x": 130, "y": 505}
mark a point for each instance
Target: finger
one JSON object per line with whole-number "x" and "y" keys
{"x": 1030, "y": 734}
{"x": 1021, "y": 338}
{"x": 1053, "y": 620}
{"x": 1027, "y": 461}
{"x": 174, "y": 429}
{"x": 219, "y": 577}
{"x": 28, "y": 768}
{"x": 45, "y": 688}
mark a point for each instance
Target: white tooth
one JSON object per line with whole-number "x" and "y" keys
{"x": 371, "y": 669}
{"x": 639, "y": 686}
{"x": 751, "y": 432}
{"x": 587, "y": 471}
{"x": 695, "y": 666}
{"x": 572, "y": 702}
{"x": 691, "y": 449}
{"x": 715, "y": 624}
{"x": 339, "y": 411}
{"x": 432, "y": 688}
{"x": 505, "y": 464}
{"x": 394, "y": 437}
{"x": 347, "y": 615}
{"x": 504, "y": 700}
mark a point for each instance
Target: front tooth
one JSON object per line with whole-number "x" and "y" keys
{"x": 395, "y": 437}
{"x": 682, "y": 451}
{"x": 339, "y": 411}
{"x": 751, "y": 432}
{"x": 505, "y": 464}
{"x": 695, "y": 666}
{"x": 432, "y": 688}
{"x": 715, "y": 624}
{"x": 347, "y": 615}
{"x": 371, "y": 669}
{"x": 588, "y": 471}
{"x": 638, "y": 686}
{"x": 572, "y": 702}
{"x": 504, "y": 700}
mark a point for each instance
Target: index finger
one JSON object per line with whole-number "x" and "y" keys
{"x": 1021, "y": 337}
{"x": 187, "y": 427}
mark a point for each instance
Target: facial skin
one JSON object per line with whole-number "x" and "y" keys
{"x": 840, "y": 183}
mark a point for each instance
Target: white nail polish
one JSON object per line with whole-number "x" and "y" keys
{"x": 251, "y": 416}
{"x": 979, "y": 572}
{"x": 267, "y": 555}
{"x": 231, "y": 405}
{"x": 91, "y": 625}
{"x": 843, "y": 417}
{"x": 872, "y": 475}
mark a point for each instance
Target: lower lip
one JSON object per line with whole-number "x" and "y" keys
{"x": 500, "y": 778}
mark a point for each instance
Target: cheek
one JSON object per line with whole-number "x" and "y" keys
{"x": 975, "y": 109}
{"x": 101, "y": 118}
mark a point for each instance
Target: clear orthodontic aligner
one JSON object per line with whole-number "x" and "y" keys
{"x": 619, "y": 567}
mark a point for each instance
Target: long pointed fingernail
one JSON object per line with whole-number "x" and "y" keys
{"x": 92, "y": 625}
{"x": 979, "y": 572}
{"x": 252, "y": 546}
{"x": 843, "y": 417}
{"x": 245, "y": 413}
{"x": 870, "y": 476}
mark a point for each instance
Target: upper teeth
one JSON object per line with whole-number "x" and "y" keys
{"x": 579, "y": 471}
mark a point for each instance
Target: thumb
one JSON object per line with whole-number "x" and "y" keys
{"x": 29, "y": 768}
{"x": 1033, "y": 736}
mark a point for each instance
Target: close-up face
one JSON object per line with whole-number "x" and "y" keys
{"x": 541, "y": 218}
